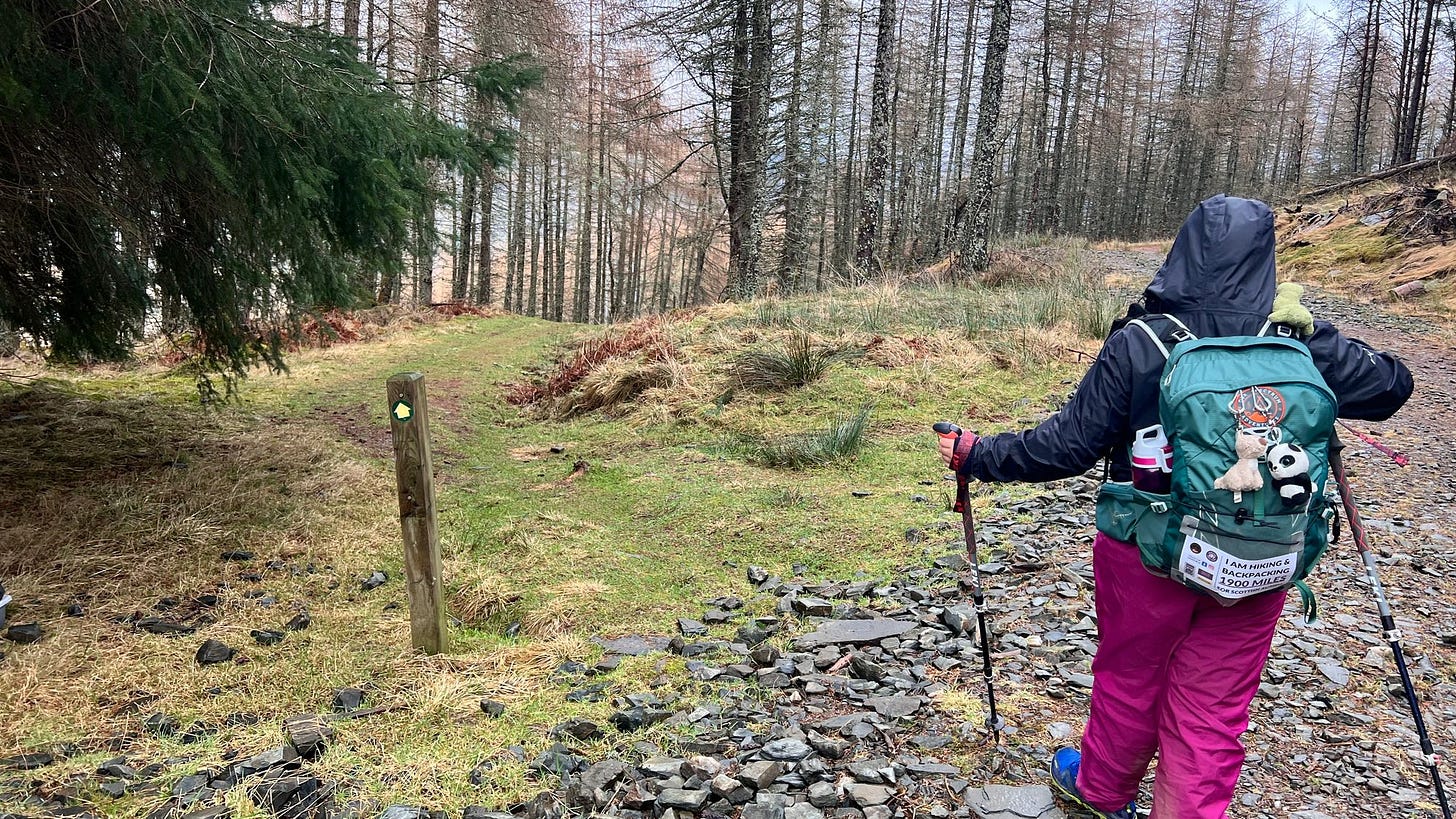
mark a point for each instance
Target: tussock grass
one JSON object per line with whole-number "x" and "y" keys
{"x": 797, "y": 362}
{"x": 842, "y": 440}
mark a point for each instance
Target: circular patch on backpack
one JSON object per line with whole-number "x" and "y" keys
{"x": 1258, "y": 407}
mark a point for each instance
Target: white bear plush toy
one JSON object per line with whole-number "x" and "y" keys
{"x": 1289, "y": 466}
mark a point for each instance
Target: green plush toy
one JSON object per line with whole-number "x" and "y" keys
{"x": 1288, "y": 310}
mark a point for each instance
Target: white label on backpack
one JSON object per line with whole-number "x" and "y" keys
{"x": 1232, "y": 577}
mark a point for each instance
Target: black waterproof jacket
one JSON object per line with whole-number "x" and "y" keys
{"x": 1219, "y": 280}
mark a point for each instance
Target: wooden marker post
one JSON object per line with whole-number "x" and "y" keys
{"x": 409, "y": 421}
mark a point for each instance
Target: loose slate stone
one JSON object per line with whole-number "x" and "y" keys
{"x": 213, "y": 652}
{"x": 1334, "y": 672}
{"x": 115, "y": 790}
{"x": 862, "y": 667}
{"x": 190, "y": 784}
{"x": 238, "y": 555}
{"x": 692, "y": 801}
{"x": 760, "y": 775}
{"x": 866, "y": 795}
{"x": 854, "y": 631}
{"x": 299, "y": 622}
{"x": 116, "y": 768}
{"x": 348, "y": 699}
{"x": 690, "y": 627}
{"x": 603, "y": 774}
{"x": 577, "y": 728}
{"x": 813, "y": 606}
{"x": 959, "y": 619}
{"x": 492, "y": 709}
{"x": 290, "y": 794}
{"x": 24, "y": 634}
{"x": 662, "y": 767}
{"x": 894, "y": 707}
{"x": 166, "y": 628}
{"x": 265, "y": 761}
{"x": 787, "y": 749}
{"x": 763, "y": 811}
{"x": 27, "y": 762}
{"x": 823, "y": 795}
{"x": 829, "y": 748}
{"x": 1006, "y": 802}
{"x": 267, "y": 637}
{"x": 161, "y": 725}
{"x": 555, "y": 760}
{"x": 637, "y": 718}
{"x": 753, "y": 636}
{"x": 374, "y": 581}
{"x": 308, "y": 734}
{"x": 803, "y": 810}
{"x": 757, "y": 575}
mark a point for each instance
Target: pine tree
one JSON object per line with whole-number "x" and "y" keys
{"x": 207, "y": 157}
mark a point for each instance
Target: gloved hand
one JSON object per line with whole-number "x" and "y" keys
{"x": 955, "y": 444}
{"x": 1288, "y": 310}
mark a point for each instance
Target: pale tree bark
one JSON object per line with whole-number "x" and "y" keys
{"x": 975, "y": 253}
{"x": 872, "y": 197}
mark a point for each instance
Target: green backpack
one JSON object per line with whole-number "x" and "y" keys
{"x": 1248, "y": 422}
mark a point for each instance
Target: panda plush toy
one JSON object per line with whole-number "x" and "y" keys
{"x": 1289, "y": 466}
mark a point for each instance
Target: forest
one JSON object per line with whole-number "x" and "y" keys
{"x": 680, "y": 151}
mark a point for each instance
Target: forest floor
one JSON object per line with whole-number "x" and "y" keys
{"x": 143, "y": 526}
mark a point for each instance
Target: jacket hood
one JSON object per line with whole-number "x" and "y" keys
{"x": 1222, "y": 260}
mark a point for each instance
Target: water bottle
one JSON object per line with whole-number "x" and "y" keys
{"x": 1152, "y": 460}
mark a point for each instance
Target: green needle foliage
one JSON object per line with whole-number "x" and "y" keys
{"x": 203, "y": 164}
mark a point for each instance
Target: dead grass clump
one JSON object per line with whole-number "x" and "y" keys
{"x": 643, "y": 341}
{"x": 477, "y": 594}
{"x": 1027, "y": 348}
{"x": 559, "y": 610}
{"x": 891, "y": 352}
{"x": 1040, "y": 264}
{"x": 618, "y": 381}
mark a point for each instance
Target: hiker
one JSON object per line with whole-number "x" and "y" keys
{"x": 1177, "y": 668}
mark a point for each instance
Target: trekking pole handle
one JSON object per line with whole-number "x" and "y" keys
{"x": 946, "y": 429}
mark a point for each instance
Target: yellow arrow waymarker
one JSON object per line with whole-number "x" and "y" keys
{"x": 402, "y": 410}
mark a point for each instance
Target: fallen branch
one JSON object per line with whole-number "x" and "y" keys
{"x": 1375, "y": 177}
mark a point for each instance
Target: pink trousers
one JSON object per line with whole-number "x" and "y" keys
{"x": 1174, "y": 674}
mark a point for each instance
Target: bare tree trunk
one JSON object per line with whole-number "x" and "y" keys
{"x": 976, "y": 237}
{"x": 872, "y": 201}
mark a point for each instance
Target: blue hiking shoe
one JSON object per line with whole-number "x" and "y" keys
{"x": 1065, "y": 763}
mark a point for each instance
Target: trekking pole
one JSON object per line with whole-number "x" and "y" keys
{"x": 978, "y": 598}
{"x": 1387, "y": 620}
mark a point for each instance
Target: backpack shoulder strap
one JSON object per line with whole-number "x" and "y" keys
{"x": 1273, "y": 330}
{"x": 1167, "y": 334}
